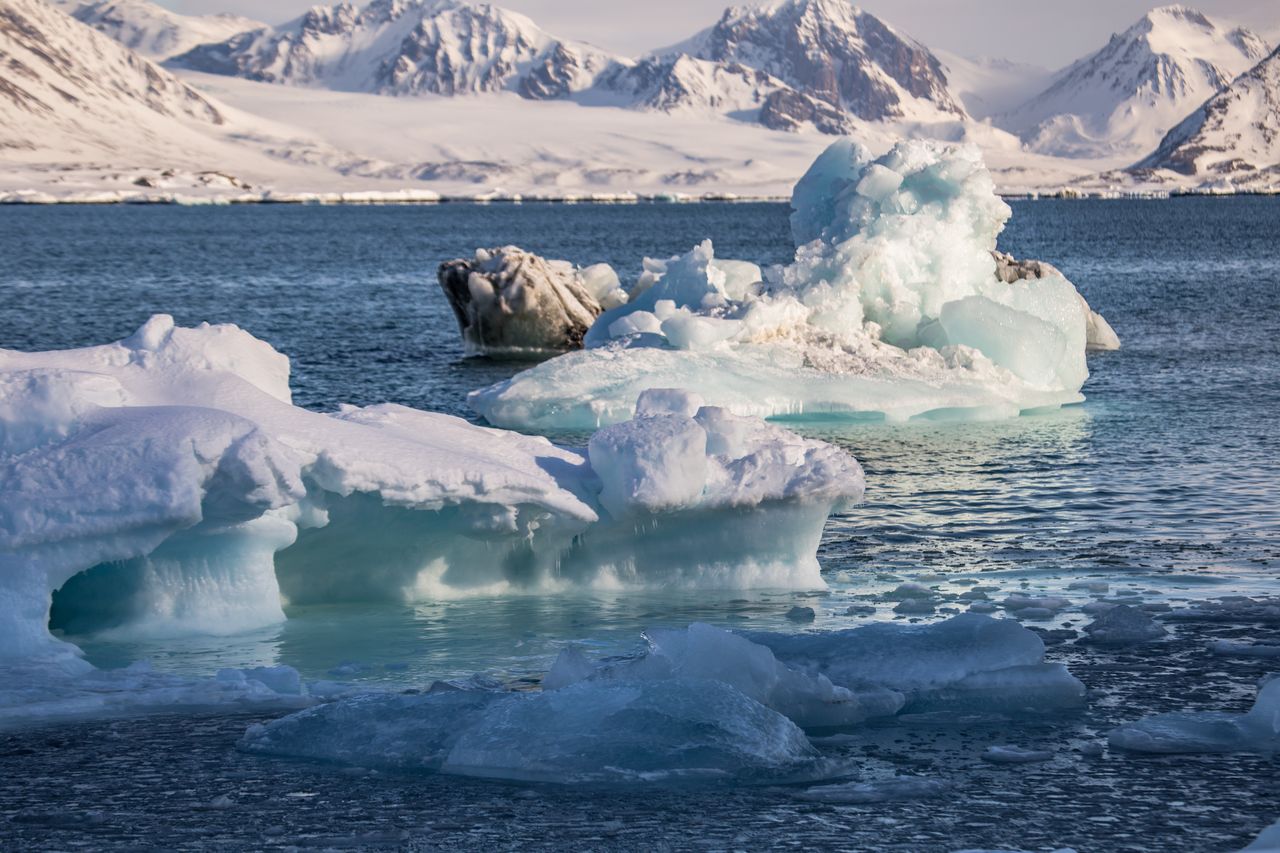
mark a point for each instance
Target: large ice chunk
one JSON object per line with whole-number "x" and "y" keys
{"x": 1256, "y": 731}
{"x": 598, "y": 730}
{"x": 893, "y": 307}
{"x": 165, "y": 484}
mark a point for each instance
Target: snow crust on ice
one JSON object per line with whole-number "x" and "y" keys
{"x": 892, "y": 308}
{"x": 165, "y": 484}
{"x": 1198, "y": 732}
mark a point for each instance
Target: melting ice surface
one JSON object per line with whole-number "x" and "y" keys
{"x": 891, "y": 308}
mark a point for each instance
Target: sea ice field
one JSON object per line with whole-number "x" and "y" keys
{"x": 1040, "y": 632}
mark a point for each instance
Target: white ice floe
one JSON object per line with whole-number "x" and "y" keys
{"x": 893, "y": 307}
{"x": 1207, "y": 731}
{"x": 166, "y": 484}
{"x": 895, "y": 790}
{"x": 1015, "y": 755}
{"x": 1234, "y": 648}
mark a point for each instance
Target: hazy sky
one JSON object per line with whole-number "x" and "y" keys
{"x": 1045, "y": 32}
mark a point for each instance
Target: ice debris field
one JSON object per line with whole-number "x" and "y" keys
{"x": 896, "y": 306}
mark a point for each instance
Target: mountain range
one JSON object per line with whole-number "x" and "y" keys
{"x": 1175, "y": 100}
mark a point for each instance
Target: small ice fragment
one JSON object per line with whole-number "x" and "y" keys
{"x": 1123, "y": 625}
{"x": 895, "y": 790}
{"x": 1015, "y": 755}
{"x": 1052, "y": 603}
{"x": 914, "y": 605}
{"x": 908, "y": 591}
{"x": 801, "y": 614}
{"x": 1246, "y": 650}
{"x": 860, "y": 610}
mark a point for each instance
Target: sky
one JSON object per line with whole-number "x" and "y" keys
{"x": 1048, "y": 33}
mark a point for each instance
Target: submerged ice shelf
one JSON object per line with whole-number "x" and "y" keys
{"x": 165, "y": 484}
{"x": 897, "y": 305}
{"x": 698, "y": 703}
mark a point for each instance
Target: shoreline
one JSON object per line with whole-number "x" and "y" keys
{"x": 23, "y": 198}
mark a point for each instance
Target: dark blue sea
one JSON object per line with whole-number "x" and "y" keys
{"x": 1164, "y": 485}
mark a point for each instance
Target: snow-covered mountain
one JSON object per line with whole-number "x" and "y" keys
{"x": 1123, "y": 98}
{"x": 66, "y": 87}
{"x": 833, "y": 53}
{"x": 1234, "y": 136}
{"x": 152, "y": 30}
{"x": 407, "y": 47}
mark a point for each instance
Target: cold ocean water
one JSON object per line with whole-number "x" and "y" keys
{"x": 1163, "y": 489}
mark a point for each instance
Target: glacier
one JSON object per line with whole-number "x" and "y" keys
{"x": 698, "y": 702}
{"x": 896, "y": 306}
{"x": 165, "y": 484}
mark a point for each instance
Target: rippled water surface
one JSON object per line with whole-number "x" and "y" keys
{"x": 1164, "y": 484}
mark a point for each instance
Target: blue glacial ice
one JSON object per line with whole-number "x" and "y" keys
{"x": 165, "y": 484}
{"x": 895, "y": 306}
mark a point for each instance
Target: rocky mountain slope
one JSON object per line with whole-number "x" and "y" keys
{"x": 152, "y": 30}
{"x": 1234, "y": 137}
{"x": 67, "y": 87}
{"x": 1123, "y": 98}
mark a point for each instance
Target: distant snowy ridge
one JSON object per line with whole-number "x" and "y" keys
{"x": 1234, "y": 136}
{"x": 818, "y": 62}
{"x": 152, "y": 30}
{"x": 1124, "y": 97}
{"x": 408, "y": 47}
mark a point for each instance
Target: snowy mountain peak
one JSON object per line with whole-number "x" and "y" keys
{"x": 1234, "y": 136}
{"x": 833, "y": 51}
{"x": 407, "y": 47}
{"x": 1124, "y": 97}
{"x": 152, "y": 30}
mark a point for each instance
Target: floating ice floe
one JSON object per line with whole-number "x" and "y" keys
{"x": 165, "y": 484}
{"x": 1123, "y": 625}
{"x": 894, "y": 307}
{"x": 514, "y": 303}
{"x": 1192, "y": 732}
{"x": 700, "y": 702}
{"x": 969, "y": 662}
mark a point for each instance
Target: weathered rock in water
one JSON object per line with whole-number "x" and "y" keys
{"x": 512, "y": 302}
{"x": 1098, "y": 332}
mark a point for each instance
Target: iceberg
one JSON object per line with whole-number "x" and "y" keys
{"x": 515, "y": 303}
{"x": 165, "y": 484}
{"x": 1207, "y": 731}
{"x": 896, "y": 306}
